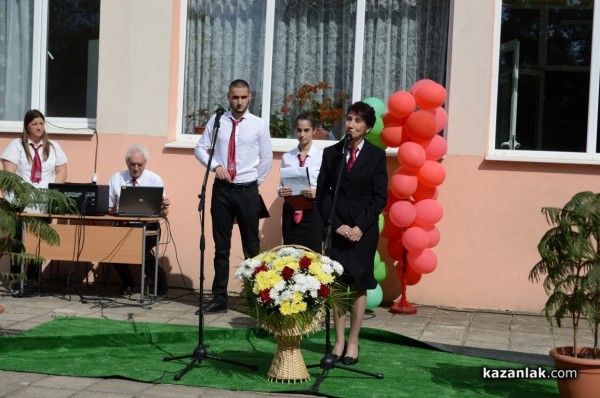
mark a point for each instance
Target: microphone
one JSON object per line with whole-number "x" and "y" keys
{"x": 220, "y": 112}
{"x": 347, "y": 140}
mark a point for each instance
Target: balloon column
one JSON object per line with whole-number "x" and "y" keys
{"x": 412, "y": 123}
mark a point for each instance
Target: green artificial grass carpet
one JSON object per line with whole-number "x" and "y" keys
{"x": 123, "y": 349}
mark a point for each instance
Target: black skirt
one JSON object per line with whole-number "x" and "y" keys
{"x": 308, "y": 232}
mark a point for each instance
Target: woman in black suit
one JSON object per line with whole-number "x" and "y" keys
{"x": 354, "y": 229}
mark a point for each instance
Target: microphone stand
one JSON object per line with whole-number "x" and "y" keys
{"x": 327, "y": 362}
{"x": 200, "y": 352}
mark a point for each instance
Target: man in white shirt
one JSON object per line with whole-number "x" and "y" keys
{"x": 241, "y": 161}
{"x": 137, "y": 175}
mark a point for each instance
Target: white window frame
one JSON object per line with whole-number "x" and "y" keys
{"x": 62, "y": 125}
{"x": 278, "y": 144}
{"x": 589, "y": 156}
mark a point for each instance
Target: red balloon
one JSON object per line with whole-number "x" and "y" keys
{"x": 423, "y": 262}
{"x": 435, "y": 148}
{"x": 412, "y": 276}
{"x": 390, "y": 120}
{"x": 418, "y": 84}
{"x": 428, "y": 212}
{"x": 421, "y": 126}
{"x": 391, "y": 199}
{"x": 441, "y": 117}
{"x": 390, "y": 230}
{"x": 411, "y": 155}
{"x": 430, "y": 95}
{"x": 391, "y": 136}
{"x": 434, "y": 235}
{"x": 403, "y": 183}
{"x": 415, "y": 239}
{"x": 395, "y": 248}
{"x": 431, "y": 174}
{"x": 401, "y": 104}
{"x": 402, "y": 213}
{"x": 424, "y": 192}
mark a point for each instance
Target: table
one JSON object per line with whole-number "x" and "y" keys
{"x": 96, "y": 239}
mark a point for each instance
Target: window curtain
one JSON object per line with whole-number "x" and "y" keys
{"x": 313, "y": 42}
{"x": 225, "y": 42}
{"x": 405, "y": 41}
{"x": 16, "y": 27}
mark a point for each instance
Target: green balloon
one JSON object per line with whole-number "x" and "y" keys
{"x": 377, "y": 259}
{"x": 377, "y": 104}
{"x": 375, "y": 139}
{"x": 374, "y": 297}
{"x": 380, "y": 272}
{"x": 377, "y": 127}
{"x": 381, "y": 222}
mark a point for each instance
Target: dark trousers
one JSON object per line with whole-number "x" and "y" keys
{"x": 232, "y": 202}
{"x": 150, "y": 262}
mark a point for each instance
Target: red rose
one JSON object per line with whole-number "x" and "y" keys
{"x": 287, "y": 273}
{"x": 324, "y": 291}
{"x": 260, "y": 268}
{"x": 264, "y": 296}
{"x": 305, "y": 262}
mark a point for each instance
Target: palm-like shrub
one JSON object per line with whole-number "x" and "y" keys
{"x": 25, "y": 195}
{"x": 570, "y": 263}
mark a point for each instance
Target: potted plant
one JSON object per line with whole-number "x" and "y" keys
{"x": 198, "y": 119}
{"x": 279, "y": 125}
{"x": 285, "y": 290}
{"x": 570, "y": 269}
{"x": 25, "y": 195}
{"x": 328, "y": 111}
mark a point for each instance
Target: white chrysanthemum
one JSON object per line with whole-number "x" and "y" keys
{"x": 247, "y": 268}
{"x": 306, "y": 283}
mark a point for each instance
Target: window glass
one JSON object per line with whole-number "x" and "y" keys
{"x": 16, "y": 40}
{"x": 225, "y": 41}
{"x": 543, "y": 87}
{"x": 404, "y": 42}
{"x": 313, "y": 53}
{"x": 72, "y": 63}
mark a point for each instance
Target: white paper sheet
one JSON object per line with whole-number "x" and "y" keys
{"x": 295, "y": 178}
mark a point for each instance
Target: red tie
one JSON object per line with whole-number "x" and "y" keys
{"x": 298, "y": 213}
{"x": 134, "y": 182}
{"x": 352, "y": 159}
{"x": 36, "y": 169}
{"x": 231, "y": 150}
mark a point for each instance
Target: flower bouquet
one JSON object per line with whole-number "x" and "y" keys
{"x": 286, "y": 290}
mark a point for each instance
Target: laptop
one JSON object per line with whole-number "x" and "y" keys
{"x": 140, "y": 201}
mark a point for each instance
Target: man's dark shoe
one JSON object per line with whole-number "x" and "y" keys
{"x": 126, "y": 291}
{"x": 214, "y": 307}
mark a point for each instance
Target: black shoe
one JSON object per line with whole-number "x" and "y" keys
{"x": 350, "y": 360}
{"x": 337, "y": 358}
{"x": 214, "y": 307}
{"x": 161, "y": 291}
{"x": 126, "y": 291}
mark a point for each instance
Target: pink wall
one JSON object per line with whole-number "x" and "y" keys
{"x": 490, "y": 230}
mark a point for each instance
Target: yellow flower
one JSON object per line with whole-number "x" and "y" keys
{"x": 289, "y": 307}
{"x": 287, "y": 261}
{"x": 266, "y": 280}
{"x": 321, "y": 276}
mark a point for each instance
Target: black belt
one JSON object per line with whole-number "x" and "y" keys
{"x": 232, "y": 185}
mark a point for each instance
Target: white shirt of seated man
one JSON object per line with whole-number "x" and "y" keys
{"x": 135, "y": 175}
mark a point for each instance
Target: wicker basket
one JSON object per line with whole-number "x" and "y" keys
{"x": 288, "y": 363}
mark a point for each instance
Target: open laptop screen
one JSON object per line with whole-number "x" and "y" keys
{"x": 140, "y": 201}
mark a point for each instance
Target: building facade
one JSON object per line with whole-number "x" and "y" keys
{"x": 522, "y": 79}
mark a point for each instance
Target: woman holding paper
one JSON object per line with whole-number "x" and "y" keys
{"x": 301, "y": 223}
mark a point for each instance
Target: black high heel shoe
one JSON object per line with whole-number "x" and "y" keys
{"x": 337, "y": 358}
{"x": 349, "y": 360}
